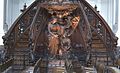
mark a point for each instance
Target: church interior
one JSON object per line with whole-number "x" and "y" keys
{"x": 60, "y": 36}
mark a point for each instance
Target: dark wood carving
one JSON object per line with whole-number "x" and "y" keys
{"x": 72, "y": 31}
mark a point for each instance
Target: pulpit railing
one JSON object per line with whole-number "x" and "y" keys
{"x": 101, "y": 28}
{"x": 31, "y": 29}
{"x": 5, "y": 65}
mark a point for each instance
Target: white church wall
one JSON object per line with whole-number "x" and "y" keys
{"x": 118, "y": 32}
{"x": 12, "y": 11}
{"x": 1, "y": 22}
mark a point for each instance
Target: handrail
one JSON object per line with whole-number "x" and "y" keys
{"x": 37, "y": 65}
{"x": 86, "y": 21}
{"x": 100, "y": 18}
{"x": 19, "y": 18}
{"x": 40, "y": 31}
{"x": 6, "y": 65}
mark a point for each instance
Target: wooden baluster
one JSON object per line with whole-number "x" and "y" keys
{"x": 105, "y": 35}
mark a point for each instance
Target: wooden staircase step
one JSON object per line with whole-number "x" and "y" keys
{"x": 94, "y": 34}
{"x": 95, "y": 38}
{"x": 22, "y": 42}
{"x": 22, "y": 39}
{"x": 22, "y": 45}
{"x": 96, "y": 42}
{"x": 98, "y": 46}
{"x": 94, "y": 50}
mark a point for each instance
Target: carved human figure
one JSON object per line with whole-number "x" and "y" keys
{"x": 59, "y": 29}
